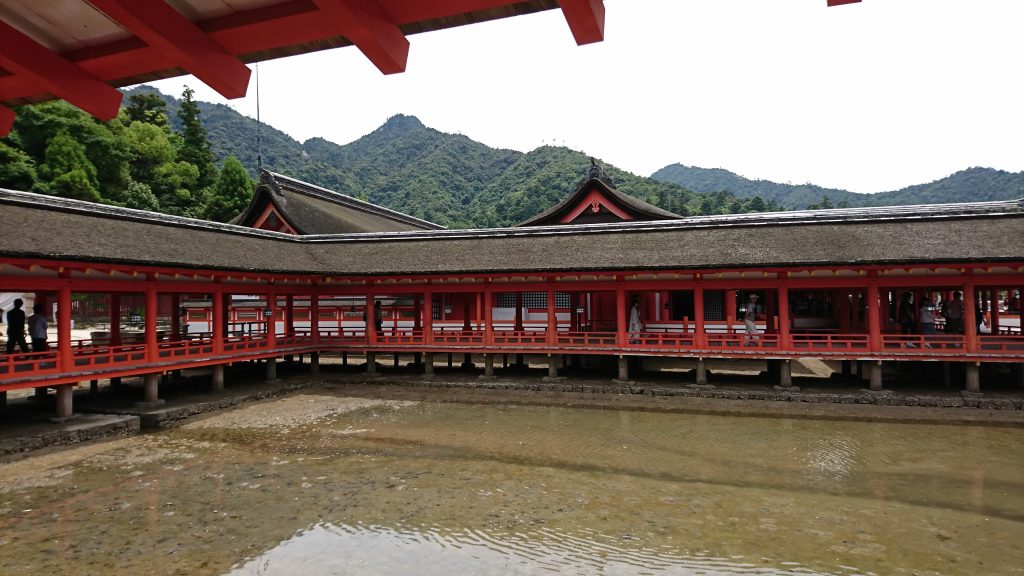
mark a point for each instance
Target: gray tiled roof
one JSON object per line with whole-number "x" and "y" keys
{"x": 54, "y": 228}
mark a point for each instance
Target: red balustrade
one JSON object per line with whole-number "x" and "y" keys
{"x": 458, "y": 336}
{"x": 933, "y": 343}
{"x": 827, "y": 342}
{"x": 587, "y": 339}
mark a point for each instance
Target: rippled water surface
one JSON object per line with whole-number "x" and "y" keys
{"x": 322, "y": 484}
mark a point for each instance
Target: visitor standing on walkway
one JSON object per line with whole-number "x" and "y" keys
{"x": 37, "y": 329}
{"x": 16, "y": 327}
{"x": 953, "y": 312}
{"x": 751, "y": 313}
{"x": 636, "y": 324}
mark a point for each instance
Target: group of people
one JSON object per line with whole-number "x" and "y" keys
{"x": 911, "y": 318}
{"x": 16, "y": 324}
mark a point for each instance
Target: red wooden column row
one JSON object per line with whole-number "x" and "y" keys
{"x": 620, "y": 314}
{"x": 152, "y": 351}
{"x": 272, "y": 320}
{"x": 488, "y": 315}
{"x": 64, "y": 352}
{"x": 552, "y": 320}
{"x": 218, "y": 327}
{"x": 784, "y": 339}
{"x": 970, "y": 317}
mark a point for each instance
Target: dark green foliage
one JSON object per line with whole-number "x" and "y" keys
{"x": 231, "y": 194}
{"x": 67, "y": 171}
{"x": 146, "y": 107}
{"x": 195, "y": 147}
{"x": 17, "y": 169}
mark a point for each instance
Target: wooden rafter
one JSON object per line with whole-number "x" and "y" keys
{"x": 46, "y": 71}
{"x": 165, "y": 29}
{"x": 585, "y": 18}
{"x": 367, "y": 26}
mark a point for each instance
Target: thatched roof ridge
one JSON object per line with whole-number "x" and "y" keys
{"x": 46, "y": 227}
{"x": 644, "y": 210}
{"x": 311, "y": 209}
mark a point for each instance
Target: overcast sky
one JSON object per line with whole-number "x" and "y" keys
{"x": 867, "y": 97}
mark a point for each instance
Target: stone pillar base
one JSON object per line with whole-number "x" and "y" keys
{"x": 371, "y": 363}
{"x": 65, "y": 397}
{"x": 785, "y": 374}
{"x": 552, "y": 366}
{"x": 271, "y": 369}
{"x": 489, "y": 365}
{"x": 972, "y": 378}
{"x": 217, "y": 381}
{"x": 428, "y": 364}
{"x": 623, "y": 369}
{"x": 151, "y": 388}
{"x": 875, "y": 376}
{"x": 314, "y": 362}
{"x": 701, "y": 373}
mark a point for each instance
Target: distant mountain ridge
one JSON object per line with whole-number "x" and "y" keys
{"x": 972, "y": 184}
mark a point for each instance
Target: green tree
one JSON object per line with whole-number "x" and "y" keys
{"x": 139, "y": 195}
{"x": 756, "y": 204}
{"x": 173, "y": 184}
{"x": 68, "y": 172}
{"x": 195, "y": 147}
{"x": 147, "y": 107}
{"x": 148, "y": 147}
{"x": 17, "y": 169}
{"x": 231, "y": 194}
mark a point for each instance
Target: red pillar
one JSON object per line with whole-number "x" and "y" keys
{"x": 314, "y": 315}
{"x": 730, "y": 310}
{"x": 289, "y": 315}
{"x": 874, "y": 319}
{"x": 620, "y": 315}
{"x": 115, "y": 319}
{"x": 994, "y": 314}
{"x": 700, "y": 339}
{"x": 217, "y": 320}
{"x": 371, "y": 318}
{"x": 64, "y": 352}
{"x": 552, "y": 319}
{"x": 479, "y": 312}
{"x": 488, "y": 316}
{"x": 428, "y": 316}
{"x": 519, "y": 312}
{"x": 152, "y": 352}
{"x": 784, "y": 317}
{"x": 272, "y": 320}
{"x": 970, "y": 317}
{"x": 417, "y": 312}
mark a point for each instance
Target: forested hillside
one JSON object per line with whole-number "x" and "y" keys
{"x": 136, "y": 160}
{"x": 973, "y": 184}
{"x": 445, "y": 178}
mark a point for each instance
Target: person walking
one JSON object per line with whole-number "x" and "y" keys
{"x": 16, "y": 327}
{"x": 37, "y": 329}
{"x": 751, "y": 313}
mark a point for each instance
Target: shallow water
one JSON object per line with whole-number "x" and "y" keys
{"x": 321, "y": 484}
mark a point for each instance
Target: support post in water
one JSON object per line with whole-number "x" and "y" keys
{"x": 217, "y": 379}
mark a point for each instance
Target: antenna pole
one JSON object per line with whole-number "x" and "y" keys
{"x": 259, "y": 139}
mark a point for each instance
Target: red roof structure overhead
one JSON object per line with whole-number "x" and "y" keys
{"x": 80, "y": 51}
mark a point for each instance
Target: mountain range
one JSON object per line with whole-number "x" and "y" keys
{"x": 458, "y": 182}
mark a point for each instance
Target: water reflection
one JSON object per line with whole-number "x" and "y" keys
{"x": 323, "y": 484}
{"x": 382, "y": 551}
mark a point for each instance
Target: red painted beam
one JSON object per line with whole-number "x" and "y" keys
{"x": 49, "y": 73}
{"x": 370, "y": 28}
{"x": 6, "y": 120}
{"x": 585, "y": 18}
{"x": 841, "y": 2}
{"x": 159, "y": 25}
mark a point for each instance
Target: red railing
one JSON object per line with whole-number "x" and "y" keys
{"x": 108, "y": 356}
{"x": 662, "y": 340}
{"x": 521, "y": 337}
{"x": 587, "y": 339}
{"x": 400, "y": 337}
{"x": 828, "y": 342}
{"x": 929, "y": 342}
{"x": 13, "y": 365}
{"x": 743, "y": 341}
{"x": 245, "y": 343}
{"x": 1004, "y": 344}
{"x": 185, "y": 348}
{"x": 458, "y": 336}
